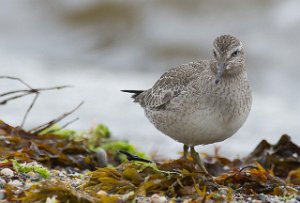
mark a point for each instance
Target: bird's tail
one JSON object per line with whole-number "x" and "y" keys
{"x": 134, "y": 92}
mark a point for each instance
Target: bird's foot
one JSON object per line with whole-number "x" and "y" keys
{"x": 198, "y": 160}
{"x": 185, "y": 151}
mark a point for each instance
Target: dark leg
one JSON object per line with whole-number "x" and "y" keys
{"x": 198, "y": 160}
{"x": 185, "y": 151}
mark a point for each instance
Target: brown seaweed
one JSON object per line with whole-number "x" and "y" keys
{"x": 51, "y": 150}
{"x": 269, "y": 170}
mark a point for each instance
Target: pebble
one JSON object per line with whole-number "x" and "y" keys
{"x": 15, "y": 183}
{"x": 2, "y": 194}
{"x": 223, "y": 191}
{"x": 294, "y": 200}
{"x": 102, "y": 193}
{"x": 2, "y": 182}
{"x": 55, "y": 172}
{"x": 51, "y": 199}
{"x": 7, "y": 172}
{"x": 158, "y": 199}
{"x": 76, "y": 182}
{"x": 62, "y": 175}
{"x": 262, "y": 197}
{"x": 127, "y": 196}
{"x": 140, "y": 199}
{"x": 101, "y": 157}
{"x": 33, "y": 176}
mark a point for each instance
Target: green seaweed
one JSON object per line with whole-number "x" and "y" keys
{"x": 94, "y": 137}
{"x": 101, "y": 131}
{"x": 25, "y": 168}
{"x": 97, "y": 135}
{"x": 57, "y": 130}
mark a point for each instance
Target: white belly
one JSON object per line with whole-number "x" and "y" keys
{"x": 199, "y": 128}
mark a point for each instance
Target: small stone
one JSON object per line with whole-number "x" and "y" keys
{"x": 33, "y": 176}
{"x": 141, "y": 199}
{"x": 7, "y": 172}
{"x": 62, "y": 175}
{"x": 76, "y": 182}
{"x": 15, "y": 183}
{"x": 101, "y": 157}
{"x": 51, "y": 199}
{"x": 294, "y": 200}
{"x": 2, "y": 182}
{"x": 55, "y": 172}
{"x": 223, "y": 191}
{"x": 262, "y": 197}
{"x": 101, "y": 193}
{"x": 2, "y": 194}
{"x": 128, "y": 196}
{"x": 158, "y": 199}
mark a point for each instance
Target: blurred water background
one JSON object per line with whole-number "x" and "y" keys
{"x": 102, "y": 46}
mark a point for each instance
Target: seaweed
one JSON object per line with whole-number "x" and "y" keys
{"x": 60, "y": 189}
{"x": 25, "y": 168}
{"x": 282, "y": 157}
{"x": 67, "y": 162}
{"x": 50, "y": 150}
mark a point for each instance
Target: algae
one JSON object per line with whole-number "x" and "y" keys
{"x": 25, "y": 168}
{"x": 67, "y": 161}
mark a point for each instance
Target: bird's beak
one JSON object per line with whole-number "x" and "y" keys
{"x": 220, "y": 70}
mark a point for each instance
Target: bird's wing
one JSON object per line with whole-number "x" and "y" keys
{"x": 170, "y": 85}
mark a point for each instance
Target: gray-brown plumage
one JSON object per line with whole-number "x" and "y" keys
{"x": 201, "y": 102}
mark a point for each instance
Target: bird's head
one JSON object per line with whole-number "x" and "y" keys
{"x": 229, "y": 54}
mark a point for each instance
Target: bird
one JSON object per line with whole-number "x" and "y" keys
{"x": 202, "y": 102}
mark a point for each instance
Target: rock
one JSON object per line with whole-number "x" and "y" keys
{"x": 293, "y": 200}
{"x": 158, "y": 199}
{"x": 76, "y": 182}
{"x": 15, "y": 183}
{"x": 7, "y": 172}
{"x": 2, "y": 194}
{"x": 62, "y": 175}
{"x": 34, "y": 176}
{"x": 262, "y": 197}
{"x": 101, "y": 157}
{"x": 126, "y": 197}
{"x": 141, "y": 199}
{"x": 55, "y": 172}
{"x": 51, "y": 200}
{"x": 102, "y": 193}
{"x": 2, "y": 182}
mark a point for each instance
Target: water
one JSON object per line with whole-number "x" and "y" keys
{"x": 102, "y": 47}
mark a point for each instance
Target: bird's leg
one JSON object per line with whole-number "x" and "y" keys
{"x": 198, "y": 160}
{"x": 185, "y": 151}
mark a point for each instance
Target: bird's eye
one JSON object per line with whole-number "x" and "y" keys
{"x": 215, "y": 54}
{"x": 234, "y": 53}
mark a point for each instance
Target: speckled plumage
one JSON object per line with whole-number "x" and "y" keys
{"x": 201, "y": 102}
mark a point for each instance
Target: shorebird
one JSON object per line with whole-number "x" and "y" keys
{"x": 201, "y": 102}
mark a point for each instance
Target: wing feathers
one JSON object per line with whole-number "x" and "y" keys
{"x": 170, "y": 85}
